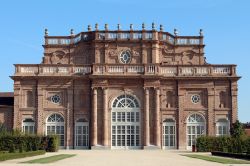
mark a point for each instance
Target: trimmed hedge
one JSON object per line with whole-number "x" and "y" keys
{"x": 26, "y": 143}
{"x": 9, "y": 156}
{"x": 247, "y": 144}
{"x": 223, "y": 144}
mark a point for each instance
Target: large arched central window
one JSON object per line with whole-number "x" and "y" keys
{"x": 125, "y": 122}
{"x": 195, "y": 128}
{"x": 55, "y": 126}
{"x": 125, "y": 101}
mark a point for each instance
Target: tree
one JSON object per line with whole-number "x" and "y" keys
{"x": 237, "y": 130}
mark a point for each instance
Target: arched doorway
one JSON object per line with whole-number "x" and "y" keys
{"x": 169, "y": 136}
{"x": 81, "y": 134}
{"x": 125, "y": 122}
{"x": 195, "y": 128}
{"x": 55, "y": 126}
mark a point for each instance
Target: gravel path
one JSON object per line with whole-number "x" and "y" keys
{"x": 119, "y": 158}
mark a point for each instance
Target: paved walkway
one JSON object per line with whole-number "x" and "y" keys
{"x": 119, "y": 158}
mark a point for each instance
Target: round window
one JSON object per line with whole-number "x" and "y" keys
{"x": 195, "y": 99}
{"x": 55, "y": 99}
{"x": 125, "y": 57}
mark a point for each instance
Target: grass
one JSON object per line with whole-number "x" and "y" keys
{"x": 10, "y": 156}
{"x": 50, "y": 159}
{"x": 222, "y": 160}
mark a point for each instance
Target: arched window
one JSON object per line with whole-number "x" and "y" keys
{"x": 55, "y": 125}
{"x": 125, "y": 122}
{"x": 169, "y": 136}
{"x": 81, "y": 134}
{"x": 222, "y": 127}
{"x": 195, "y": 128}
{"x": 28, "y": 126}
{"x": 125, "y": 101}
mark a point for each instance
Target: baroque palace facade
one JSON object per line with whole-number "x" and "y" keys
{"x": 125, "y": 89}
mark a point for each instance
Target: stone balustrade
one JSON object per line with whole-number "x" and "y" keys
{"x": 133, "y": 69}
{"x": 124, "y": 35}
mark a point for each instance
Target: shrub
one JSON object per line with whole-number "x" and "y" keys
{"x": 222, "y": 144}
{"x": 8, "y": 156}
{"x": 13, "y": 143}
{"x": 202, "y": 144}
{"x": 3, "y": 129}
{"x": 52, "y": 143}
{"x": 237, "y": 130}
{"x": 247, "y": 145}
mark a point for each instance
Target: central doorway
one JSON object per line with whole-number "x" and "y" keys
{"x": 195, "y": 129}
{"x": 125, "y": 126}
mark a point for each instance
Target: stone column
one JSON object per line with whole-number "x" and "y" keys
{"x": 181, "y": 122}
{"x": 146, "y": 118}
{"x": 144, "y": 54}
{"x": 94, "y": 118}
{"x": 40, "y": 120}
{"x": 155, "y": 53}
{"x": 69, "y": 121}
{"x": 157, "y": 118}
{"x": 105, "y": 117}
{"x": 210, "y": 115}
{"x": 234, "y": 102}
{"x": 16, "y": 116}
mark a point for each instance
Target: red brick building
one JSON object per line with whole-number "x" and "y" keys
{"x": 7, "y": 109}
{"x": 125, "y": 89}
{"x": 246, "y": 127}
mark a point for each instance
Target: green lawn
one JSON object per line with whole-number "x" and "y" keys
{"x": 16, "y": 155}
{"x": 222, "y": 160}
{"x": 50, "y": 159}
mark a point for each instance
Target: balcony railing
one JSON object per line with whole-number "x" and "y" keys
{"x": 124, "y": 35}
{"x": 133, "y": 69}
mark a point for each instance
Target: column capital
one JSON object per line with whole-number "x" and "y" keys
{"x": 146, "y": 91}
{"x": 94, "y": 88}
{"x": 157, "y": 89}
{"x": 94, "y": 91}
{"x": 104, "y": 88}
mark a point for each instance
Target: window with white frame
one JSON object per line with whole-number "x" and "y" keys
{"x": 81, "y": 133}
{"x": 125, "y": 57}
{"x": 28, "y": 126}
{"x": 125, "y": 120}
{"x": 56, "y": 99}
{"x": 222, "y": 127}
{"x": 55, "y": 126}
{"x": 169, "y": 136}
{"x": 195, "y": 129}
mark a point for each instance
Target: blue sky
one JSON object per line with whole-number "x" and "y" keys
{"x": 225, "y": 23}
